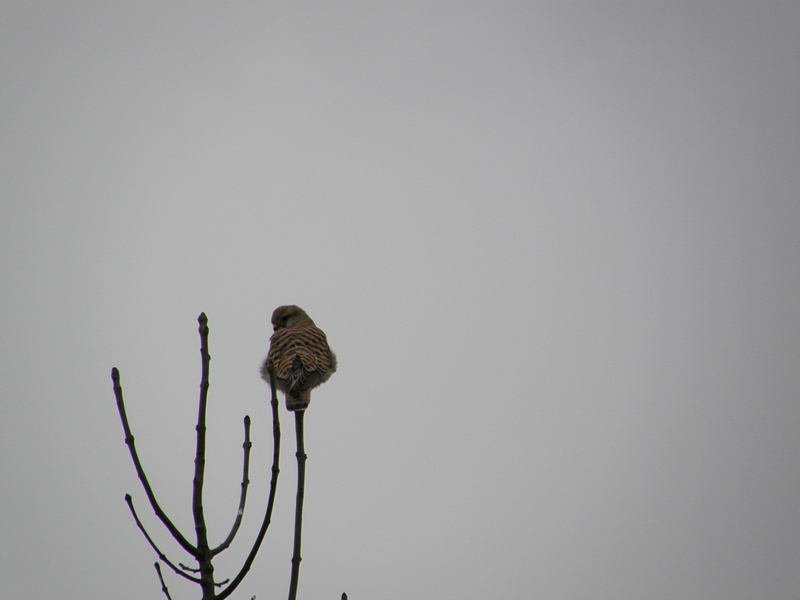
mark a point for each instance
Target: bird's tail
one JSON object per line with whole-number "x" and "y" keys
{"x": 297, "y": 399}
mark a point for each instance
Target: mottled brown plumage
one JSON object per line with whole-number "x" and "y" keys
{"x": 300, "y": 355}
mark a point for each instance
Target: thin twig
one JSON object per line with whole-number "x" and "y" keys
{"x": 243, "y": 497}
{"x": 161, "y": 579}
{"x": 140, "y": 471}
{"x": 273, "y": 486}
{"x": 298, "y": 509}
{"x": 203, "y": 555}
{"x": 190, "y": 569}
{"x": 161, "y": 555}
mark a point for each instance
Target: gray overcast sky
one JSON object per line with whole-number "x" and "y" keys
{"x": 554, "y": 245}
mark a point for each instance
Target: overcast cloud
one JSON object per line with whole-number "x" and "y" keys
{"x": 554, "y": 245}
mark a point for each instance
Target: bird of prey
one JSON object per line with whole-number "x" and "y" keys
{"x": 300, "y": 355}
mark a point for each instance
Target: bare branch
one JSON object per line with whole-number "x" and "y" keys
{"x": 161, "y": 579}
{"x": 273, "y": 485}
{"x": 140, "y": 471}
{"x": 203, "y": 555}
{"x": 243, "y": 497}
{"x": 200, "y": 455}
{"x": 298, "y": 508}
{"x": 201, "y": 551}
{"x": 161, "y": 555}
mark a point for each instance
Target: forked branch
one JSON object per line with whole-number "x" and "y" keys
{"x": 201, "y": 552}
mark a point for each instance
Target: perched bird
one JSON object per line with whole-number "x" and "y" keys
{"x": 300, "y": 355}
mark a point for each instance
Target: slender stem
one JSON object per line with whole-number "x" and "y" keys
{"x": 184, "y": 543}
{"x": 203, "y": 554}
{"x": 161, "y": 579}
{"x": 298, "y": 509}
{"x": 160, "y": 554}
{"x": 273, "y": 486}
{"x": 243, "y": 496}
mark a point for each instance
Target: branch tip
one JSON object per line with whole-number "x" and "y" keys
{"x": 203, "y": 320}
{"x": 161, "y": 579}
{"x": 115, "y": 374}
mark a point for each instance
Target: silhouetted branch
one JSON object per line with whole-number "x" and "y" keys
{"x": 161, "y": 579}
{"x": 160, "y": 554}
{"x": 203, "y": 554}
{"x": 298, "y": 509}
{"x": 140, "y": 472}
{"x": 243, "y": 497}
{"x": 273, "y": 485}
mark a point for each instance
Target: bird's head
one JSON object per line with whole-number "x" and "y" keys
{"x": 286, "y": 316}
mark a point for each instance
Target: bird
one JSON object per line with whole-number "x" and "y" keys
{"x": 300, "y": 354}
